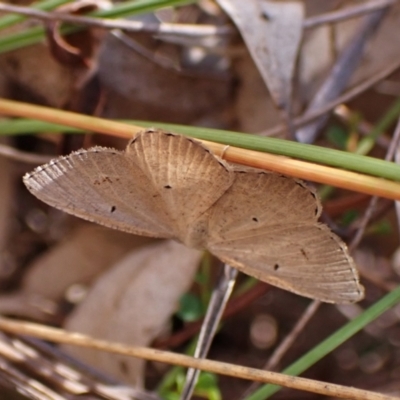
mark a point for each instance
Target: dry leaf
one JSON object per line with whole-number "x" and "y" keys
{"x": 132, "y": 302}
{"x": 141, "y": 85}
{"x": 272, "y": 32}
{"x": 78, "y": 259}
{"x": 254, "y": 110}
{"x": 21, "y": 66}
{"x": 323, "y": 43}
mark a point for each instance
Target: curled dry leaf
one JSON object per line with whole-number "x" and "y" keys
{"x": 79, "y": 259}
{"x": 254, "y": 108}
{"x": 272, "y": 32}
{"x": 78, "y": 53}
{"x": 132, "y": 302}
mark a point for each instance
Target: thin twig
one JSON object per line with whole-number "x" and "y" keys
{"x": 165, "y": 62}
{"x": 346, "y": 115}
{"x": 340, "y": 74}
{"x": 293, "y": 335}
{"x": 23, "y": 156}
{"x": 346, "y": 97}
{"x": 347, "y": 13}
{"x": 300, "y": 169}
{"x": 59, "y": 372}
{"x": 285, "y": 345}
{"x": 236, "y": 304}
{"x": 216, "y": 307}
{"x": 374, "y": 200}
{"x": 27, "y": 385}
{"x": 294, "y": 382}
{"x": 363, "y": 223}
{"x": 189, "y": 30}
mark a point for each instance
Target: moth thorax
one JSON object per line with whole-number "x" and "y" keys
{"x": 197, "y": 235}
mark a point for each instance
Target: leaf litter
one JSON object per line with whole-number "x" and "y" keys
{"x": 133, "y": 84}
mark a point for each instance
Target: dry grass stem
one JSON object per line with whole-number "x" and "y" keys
{"x": 309, "y": 171}
{"x": 188, "y": 30}
{"x": 236, "y": 371}
{"x": 300, "y": 169}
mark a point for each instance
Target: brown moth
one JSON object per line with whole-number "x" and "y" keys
{"x": 168, "y": 186}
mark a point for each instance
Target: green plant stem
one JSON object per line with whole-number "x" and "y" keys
{"x": 332, "y": 342}
{"x": 12, "y": 19}
{"x": 36, "y": 35}
{"x": 316, "y": 154}
{"x": 320, "y": 155}
{"x": 367, "y": 143}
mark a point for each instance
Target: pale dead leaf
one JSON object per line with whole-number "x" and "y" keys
{"x": 78, "y": 259}
{"x": 254, "y": 108}
{"x": 132, "y": 303}
{"x": 272, "y": 32}
{"x": 383, "y": 47}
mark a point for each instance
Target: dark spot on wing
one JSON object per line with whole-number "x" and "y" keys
{"x": 265, "y": 16}
{"x": 103, "y": 180}
{"x": 276, "y": 267}
{"x": 304, "y": 253}
{"x": 255, "y": 219}
{"x": 167, "y": 187}
{"x": 113, "y": 208}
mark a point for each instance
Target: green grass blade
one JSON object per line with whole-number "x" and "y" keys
{"x": 308, "y": 152}
{"x": 367, "y": 143}
{"x": 321, "y": 155}
{"x": 332, "y": 342}
{"x": 12, "y": 19}
{"x": 36, "y": 35}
